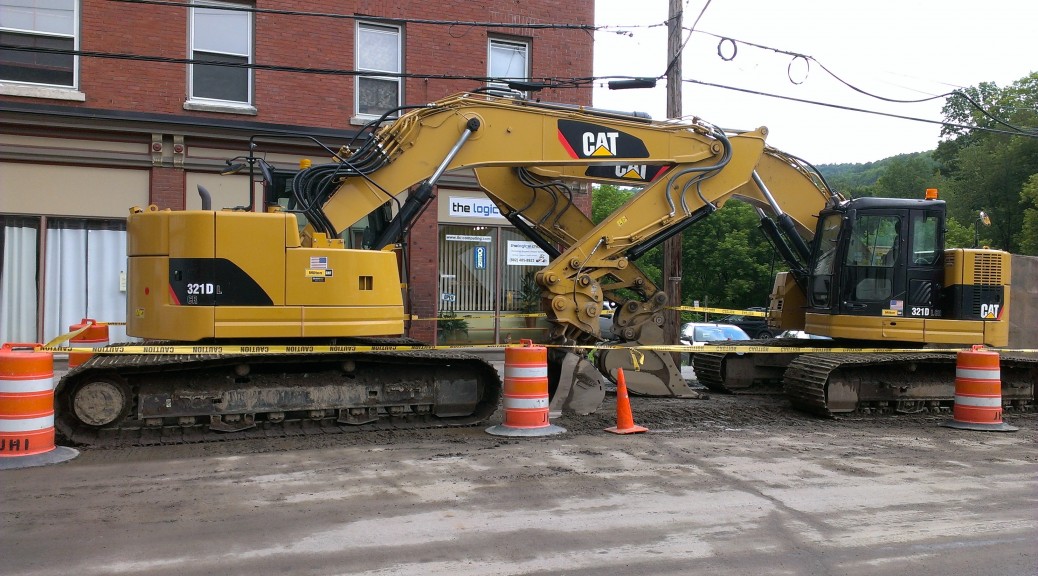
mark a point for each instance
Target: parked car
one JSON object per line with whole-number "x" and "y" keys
{"x": 755, "y": 326}
{"x": 699, "y": 333}
{"x": 605, "y": 319}
{"x": 802, "y": 335}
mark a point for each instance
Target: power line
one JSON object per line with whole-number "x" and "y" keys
{"x": 391, "y": 20}
{"x": 807, "y": 58}
{"x": 559, "y": 82}
{"x": 1015, "y": 132}
{"x": 552, "y": 82}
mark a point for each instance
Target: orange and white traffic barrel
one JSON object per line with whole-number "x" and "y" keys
{"x": 978, "y": 392}
{"x": 525, "y": 395}
{"x": 94, "y": 335}
{"x": 27, "y": 407}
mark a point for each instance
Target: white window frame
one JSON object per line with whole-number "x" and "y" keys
{"x": 360, "y": 117}
{"x": 215, "y": 104}
{"x": 51, "y": 91}
{"x": 510, "y": 43}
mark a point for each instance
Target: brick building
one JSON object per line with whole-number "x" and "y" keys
{"x": 103, "y": 106}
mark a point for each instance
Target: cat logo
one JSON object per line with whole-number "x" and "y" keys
{"x": 600, "y": 143}
{"x": 639, "y": 172}
{"x": 633, "y": 172}
{"x": 990, "y": 311}
{"x": 587, "y": 140}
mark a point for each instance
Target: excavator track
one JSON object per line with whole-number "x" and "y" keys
{"x": 881, "y": 383}
{"x": 121, "y": 400}
{"x": 833, "y": 384}
{"x": 732, "y": 373}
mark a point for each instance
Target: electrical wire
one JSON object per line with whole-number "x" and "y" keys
{"x": 1016, "y": 131}
{"x": 385, "y": 19}
{"x": 674, "y": 57}
{"x": 559, "y": 83}
{"x": 798, "y": 56}
{"x": 554, "y": 82}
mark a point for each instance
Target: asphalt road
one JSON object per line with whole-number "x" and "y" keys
{"x": 733, "y": 485}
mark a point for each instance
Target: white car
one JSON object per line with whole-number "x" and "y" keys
{"x": 802, "y": 335}
{"x": 699, "y": 333}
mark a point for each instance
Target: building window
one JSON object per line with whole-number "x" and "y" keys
{"x": 378, "y": 50}
{"x": 508, "y": 59}
{"x": 82, "y": 264}
{"x": 221, "y": 35}
{"x": 46, "y": 24}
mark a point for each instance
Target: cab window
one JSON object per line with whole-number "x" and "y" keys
{"x": 875, "y": 241}
{"x": 926, "y": 228}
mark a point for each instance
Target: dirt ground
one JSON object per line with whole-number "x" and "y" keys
{"x": 735, "y": 484}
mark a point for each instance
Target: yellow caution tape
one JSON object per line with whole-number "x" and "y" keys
{"x": 726, "y": 311}
{"x": 416, "y": 318}
{"x": 67, "y": 336}
{"x": 637, "y": 358}
{"x": 220, "y": 349}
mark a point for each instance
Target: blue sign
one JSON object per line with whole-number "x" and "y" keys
{"x": 479, "y": 257}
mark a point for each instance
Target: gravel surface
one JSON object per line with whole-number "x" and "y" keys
{"x": 732, "y": 484}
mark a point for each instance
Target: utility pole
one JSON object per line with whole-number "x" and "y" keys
{"x": 672, "y": 246}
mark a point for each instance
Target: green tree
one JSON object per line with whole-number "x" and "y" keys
{"x": 958, "y": 235}
{"x": 725, "y": 258}
{"x": 906, "y": 176}
{"x": 606, "y": 200}
{"x": 988, "y": 170}
{"x": 1029, "y": 231}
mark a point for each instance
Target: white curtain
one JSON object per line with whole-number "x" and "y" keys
{"x": 83, "y": 278}
{"x": 65, "y": 278}
{"x": 106, "y": 259}
{"x": 18, "y": 282}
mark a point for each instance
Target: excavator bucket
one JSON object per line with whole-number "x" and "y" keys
{"x": 647, "y": 372}
{"x": 575, "y": 384}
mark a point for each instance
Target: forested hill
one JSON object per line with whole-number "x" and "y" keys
{"x": 856, "y": 180}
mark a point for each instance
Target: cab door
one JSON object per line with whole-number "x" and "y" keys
{"x": 873, "y": 281}
{"x": 925, "y": 263}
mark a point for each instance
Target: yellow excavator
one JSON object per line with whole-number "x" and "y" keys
{"x": 257, "y": 280}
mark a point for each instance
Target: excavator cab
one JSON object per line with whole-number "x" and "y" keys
{"x": 879, "y": 257}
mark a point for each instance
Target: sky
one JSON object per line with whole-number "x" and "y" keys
{"x": 904, "y": 49}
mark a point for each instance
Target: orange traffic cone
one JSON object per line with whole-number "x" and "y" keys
{"x": 624, "y": 419}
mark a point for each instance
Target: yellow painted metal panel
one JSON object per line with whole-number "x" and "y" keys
{"x": 192, "y": 234}
{"x": 255, "y": 243}
{"x": 327, "y": 321}
{"x": 340, "y": 277}
{"x": 955, "y": 331}
{"x": 147, "y": 233}
{"x": 902, "y": 329}
{"x": 258, "y": 322}
{"x": 151, "y": 313}
{"x": 873, "y": 328}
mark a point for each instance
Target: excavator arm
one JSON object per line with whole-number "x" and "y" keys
{"x": 544, "y": 211}
{"x": 470, "y": 131}
{"x": 522, "y": 154}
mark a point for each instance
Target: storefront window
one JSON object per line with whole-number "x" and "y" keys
{"x": 522, "y": 259}
{"x": 467, "y": 264}
{"x": 486, "y": 273}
